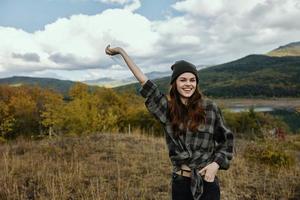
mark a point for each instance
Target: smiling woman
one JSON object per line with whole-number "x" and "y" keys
{"x": 198, "y": 141}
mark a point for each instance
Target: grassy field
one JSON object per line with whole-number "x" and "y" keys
{"x": 120, "y": 166}
{"x": 272, "y": 102}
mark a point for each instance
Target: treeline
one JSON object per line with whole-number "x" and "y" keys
{"x": 251, "y": 124}
{"x": 31, "y": 111}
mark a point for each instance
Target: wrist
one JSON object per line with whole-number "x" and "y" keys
{"x": 121, "y": 51}
{"x": 216, "y": 164}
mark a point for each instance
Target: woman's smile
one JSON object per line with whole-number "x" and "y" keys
{"x": 187, "y": 89}
{"x": 186, "y": 85}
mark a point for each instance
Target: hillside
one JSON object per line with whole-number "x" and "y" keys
{"x": 292, "y": 49}
{"x": 57, "y": 85}
{"x": 113, "y": 82}
{"x": 251, "y": 76}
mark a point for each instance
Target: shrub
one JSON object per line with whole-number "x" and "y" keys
{"x": 252, "y": 125}
{"x": 2, "y": 140}
{"x": 269, "y": 152}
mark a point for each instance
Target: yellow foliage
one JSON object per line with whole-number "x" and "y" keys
{"x": 6, "y": 120}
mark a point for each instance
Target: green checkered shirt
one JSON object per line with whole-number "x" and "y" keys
{"x": 213, "y": 141}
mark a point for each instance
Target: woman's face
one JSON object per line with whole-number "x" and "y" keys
{"x": 186, "y": 85}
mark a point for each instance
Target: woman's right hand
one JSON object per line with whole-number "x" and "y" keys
{"x": 112, "y": 51}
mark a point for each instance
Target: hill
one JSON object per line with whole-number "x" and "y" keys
{"x": 292, "y": 49}
{"x": 251, "y": 76}
{"x": 57, "y": 85}
{"x": 111, "y": 82}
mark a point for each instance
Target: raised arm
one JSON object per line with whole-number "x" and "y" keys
{"x": 139, "y": 75}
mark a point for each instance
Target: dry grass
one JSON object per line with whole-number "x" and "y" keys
{"x": 116, "y": 166}
{"x": 249, "y": 180}
{"x": 273, "y": 102}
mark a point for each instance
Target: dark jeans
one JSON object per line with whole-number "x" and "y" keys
{"x": 181, "y": 189}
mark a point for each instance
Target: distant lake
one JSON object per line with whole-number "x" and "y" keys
{"x": 246, "y": 108}
{"x": 288, "y": 115}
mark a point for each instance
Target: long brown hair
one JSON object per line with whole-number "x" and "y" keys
{"x": 190, "y": 115}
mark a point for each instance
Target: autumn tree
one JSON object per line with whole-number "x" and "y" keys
{"x": 52, "y": 114}
{"x": 77, "y": 112}
{"x": 24, "y": 110}
{"x": 6, "y": 120}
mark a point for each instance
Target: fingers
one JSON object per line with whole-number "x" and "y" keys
{"x": 112, "y": 51}
{"x": 208, "y": 172}
{"x": 202, "y": 171}
{"x": 107, "y": 50}
{"x": 209, "y": 177}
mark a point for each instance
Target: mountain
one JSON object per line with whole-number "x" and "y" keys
{"x": 61, "y": 86}
{"x": 250, "y": 76}
{"x": 292, "y": 49}
{"x": 110, "y": 82}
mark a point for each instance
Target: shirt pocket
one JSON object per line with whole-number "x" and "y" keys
{"x": 203, "y": 138}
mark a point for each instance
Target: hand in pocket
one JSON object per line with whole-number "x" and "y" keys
{"x": 209, "y": 171}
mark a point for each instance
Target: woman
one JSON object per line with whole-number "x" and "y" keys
{"x": 199, "y": 144}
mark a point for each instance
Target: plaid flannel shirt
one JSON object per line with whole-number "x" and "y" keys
{"x": 213, "y": 141}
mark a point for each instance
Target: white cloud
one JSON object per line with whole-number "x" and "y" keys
{"x": 134, "y": 5}
{"x": 130, "y": 5}
{"x": 235, "y": 28}
{"x": 31, "y": 57}
{"x": 76, "y": 43}
{"x": 196, "y": 7}
{"x": 207, "y": 32}
{"x": 207, "y": 8}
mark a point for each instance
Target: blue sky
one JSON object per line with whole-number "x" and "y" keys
{"x": 66, "y": 38}
{"x": 35, "y": 14}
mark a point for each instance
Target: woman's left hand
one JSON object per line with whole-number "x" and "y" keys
{"x": 209, "y": 171}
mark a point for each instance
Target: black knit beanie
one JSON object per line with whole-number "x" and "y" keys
{"x": 182, "y": 66}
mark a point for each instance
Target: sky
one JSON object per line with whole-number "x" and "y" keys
{"x": 65, "y": 39}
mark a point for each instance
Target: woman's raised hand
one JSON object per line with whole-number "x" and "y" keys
{"x": 112, "y": 51}
{"x": 132, "y": 66}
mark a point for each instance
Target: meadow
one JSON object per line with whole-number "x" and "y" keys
{"x": 113, "y": 166}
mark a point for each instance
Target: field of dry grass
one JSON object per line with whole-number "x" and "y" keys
{"x": 120, "y": 166}
{"x": 270, "y": 102}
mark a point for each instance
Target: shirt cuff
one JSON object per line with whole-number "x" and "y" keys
{"x": 221, "y": 162}
{"x": 147, "y": 89}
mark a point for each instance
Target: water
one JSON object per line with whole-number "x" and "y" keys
{"x": 288, "y": 115}
{"x": 236, "y": 109}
